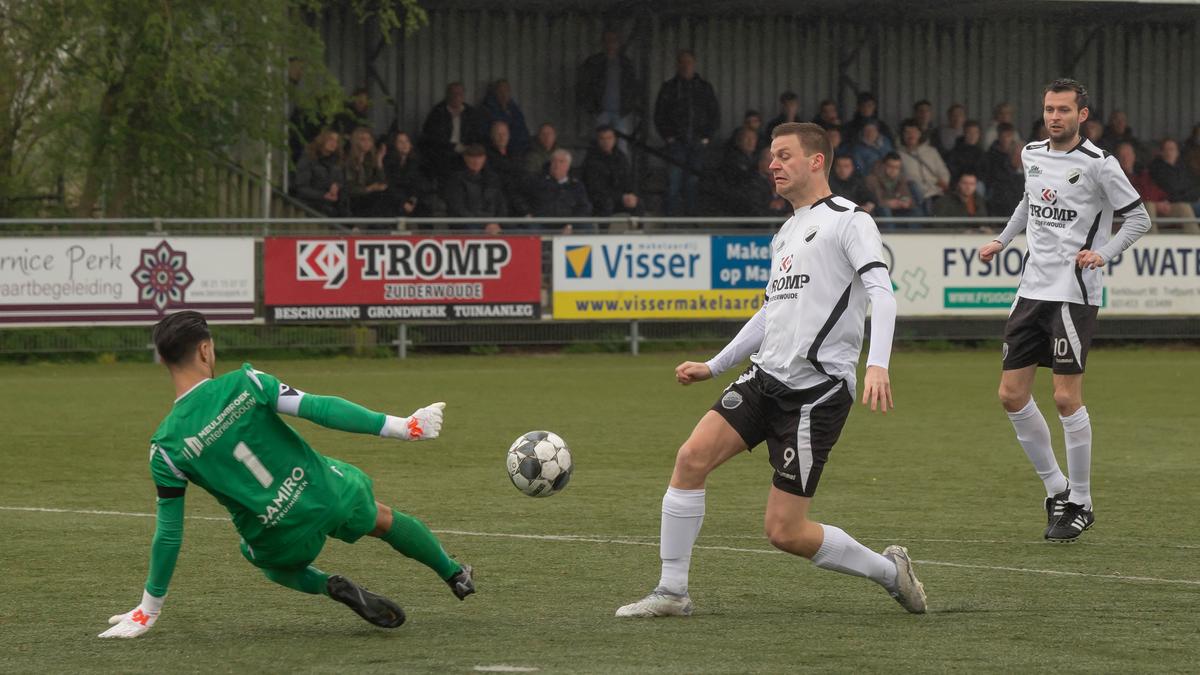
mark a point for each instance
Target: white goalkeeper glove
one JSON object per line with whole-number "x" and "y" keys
{"x": 422, "y": 425}
{"x": 136, "y": 621}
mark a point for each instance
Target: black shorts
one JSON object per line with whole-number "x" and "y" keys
{"x": 799, "y": 426}
{"x": 1049, "y": 334}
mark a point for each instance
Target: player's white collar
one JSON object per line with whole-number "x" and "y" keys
{"x": 805, "y": 209}
{"x": 194, "y": 387}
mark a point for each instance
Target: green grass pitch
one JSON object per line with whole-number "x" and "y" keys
{"x": 942, "y": 474}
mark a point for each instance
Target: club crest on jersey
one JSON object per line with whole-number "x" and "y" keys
{"x": 785, "y": 265}
{"x": 1073, "y": 176}
{"x": 1049, "y": 196}
{"x": 1035, "y": 171}
{"x": 810, "y": 232}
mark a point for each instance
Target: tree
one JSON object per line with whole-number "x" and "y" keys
{"x": 131, "y": 100}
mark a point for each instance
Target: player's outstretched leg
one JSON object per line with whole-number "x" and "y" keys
{"x": 412, "y": 538}
{"x": 373, "y": 607}
{"x": 711, "y": 443}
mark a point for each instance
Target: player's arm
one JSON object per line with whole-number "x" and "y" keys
{"x": 863, "y": 248}
{"x": 337, "y": 413}
{"x": 1124, "y": 199}
{"x": 171, "y": 485}
{"x": 745, "y": 343}
{"x": 1016, "y": 225}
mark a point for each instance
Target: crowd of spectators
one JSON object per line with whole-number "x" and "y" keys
{"x": 484, "y": 162}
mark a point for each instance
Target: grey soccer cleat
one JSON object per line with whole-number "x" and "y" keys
{"x": 658, "y": 603}
{"x": 373, "y": 607}
{"x": 1055, "y": 506}
{"x": 462, "y": 584}
{"x": 910, "y": 592}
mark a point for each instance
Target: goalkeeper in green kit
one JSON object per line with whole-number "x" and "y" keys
{"x": 225, "y": 435}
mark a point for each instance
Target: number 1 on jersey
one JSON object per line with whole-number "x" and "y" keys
{"x": 243, "y": 454}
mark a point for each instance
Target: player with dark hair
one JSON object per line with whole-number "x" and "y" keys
{"x": 225, "y": 434}
{"x": 1073, "y": 189}
{"x": 826, "y": 261}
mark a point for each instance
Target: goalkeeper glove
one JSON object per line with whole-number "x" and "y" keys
{"x": 136, "y": 621}
{"x": 424, "y": 424}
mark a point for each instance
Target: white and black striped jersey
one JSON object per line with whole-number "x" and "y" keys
{"x": 1070, "y": 200}
{"x": 816, "y": 302}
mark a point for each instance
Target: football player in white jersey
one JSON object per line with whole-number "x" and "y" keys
{"x": 1072, "y": 191}
{"x": 826, "y": 261}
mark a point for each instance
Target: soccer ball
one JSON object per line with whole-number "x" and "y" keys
{"x": 539, "y": 463}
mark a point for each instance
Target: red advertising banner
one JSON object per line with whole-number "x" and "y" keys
{"x": 363, "y": 278}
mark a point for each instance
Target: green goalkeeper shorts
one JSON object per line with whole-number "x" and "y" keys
{"x": 351, "y": 518}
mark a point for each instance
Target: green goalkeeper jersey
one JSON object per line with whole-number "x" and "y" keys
{"x": 226, "y": 436}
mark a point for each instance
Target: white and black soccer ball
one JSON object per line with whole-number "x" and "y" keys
{"x": 539, "y": 463}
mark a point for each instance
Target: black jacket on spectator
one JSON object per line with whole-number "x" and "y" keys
{"x": 855, "y": 188}
{"x": 733, "y": 189}
{"x": 477, "y": 195}
{"x": 313, "y": 179}
{"x": 593, "y": 78}
{"x": 435, "y": 138}
{"x": 560, "y": 200}
{"x": 406, "y": 179}
{"x": 513, "y": 179}
{"x": 1176, "y": 181}
{"x": 1005, "y": 184}
{"x": 964, "y": 157}
{"x": 686, "y": 110}
{"x": 607, "y": 178}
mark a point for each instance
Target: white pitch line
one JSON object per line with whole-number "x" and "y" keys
{"x": 626, "y": 542}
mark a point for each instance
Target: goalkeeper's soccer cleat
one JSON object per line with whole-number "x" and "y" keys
{"x": 910, "y": 592}
{"x": 658, "y": 603}
{"x": 1074, "y": 520}
{"x": 1054, "y": 509}
{"x": 373, "y": 607}
{"x": 463, "y": 583}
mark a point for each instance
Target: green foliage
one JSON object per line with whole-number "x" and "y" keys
{"x": 135, "y": 102}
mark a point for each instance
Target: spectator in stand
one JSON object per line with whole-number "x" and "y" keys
{"x": 357, "y": 113}
{"x": 1118, "y": 131}
{"x": 1001, "y": 114}
{"x": 319, "y": 176}
{"x": 366, "y": 183}
{"x": 923, "y": 116}
{"x": 1093, "y": 130}
{"x": 922, "y": 164}
{"x": 305, "y": 120}
{"x": 730, "y": 190}
{"x": 406, "y": 180}
{"x": 538, "y": 159}
{"x": 1158, "y": 202}
{"x": 751, "y": 120}
{"x": 686, "y": 116}
{"x": 867, "y": 112}
{"x": 559, "y": 196}
{"x": 499, "y": 105}
{"x": 608, "y": 177}
{"x": 789, "y": 111}
{"x": 963, "y": 202}
{"x": 966, "y": 156}
{"x": 510, "y": 167}
{"x": 608, "y": 88}
{"x": 894, "y": 196}
{"x": 1191, "y": 152}
{"x": 475, "y": 192}
{"x": 946, "y": 136}
{"x": 1038, "y": 131}
{"x": 449, "y": 128}
{"x": 827, "y": 115}
{"x": 1173, "y": 177}
{"x": 1003, "y": 173}
{"x": 765, "y": 188}
{"x": 847, "y": 182}
{"x": 869, "y": 148}
{"x": 836, "y": 142}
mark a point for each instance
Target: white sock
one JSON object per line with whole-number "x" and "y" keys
{"x": 1034, "y": 435}
{"x": 1077, "y": 428}
{"x": 841, "y": 553}
{"x": 682, "y": 515}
